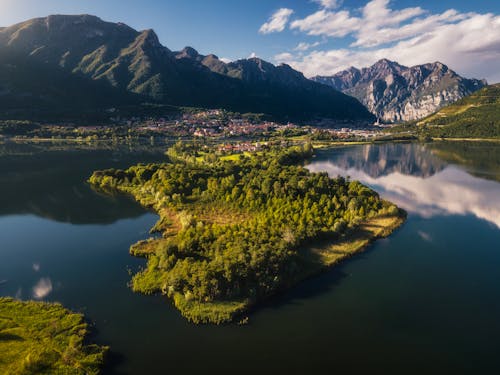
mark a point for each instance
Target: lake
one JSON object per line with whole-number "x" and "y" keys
{"x": 424, "y": 300}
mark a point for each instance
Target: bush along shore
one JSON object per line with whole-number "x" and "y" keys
{"x": 45, "y": 338}
{"x": 236, "y": 231}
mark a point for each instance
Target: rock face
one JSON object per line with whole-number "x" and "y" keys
{"x": 136, "y": 62}
{"x": 396, "y": 93}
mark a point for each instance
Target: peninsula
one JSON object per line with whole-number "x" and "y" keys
{"x": 237, "y": 229}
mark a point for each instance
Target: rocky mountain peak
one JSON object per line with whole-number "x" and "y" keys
{"x": 396, "y": 93}
{"x": 212, "y": 56}
{"x": 384, "y": 63}
{"x": 383, "y": 67}
{"x": 150, "y": 38}
{"x": 188, "y": 53}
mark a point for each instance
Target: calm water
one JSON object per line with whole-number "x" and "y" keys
{"x": 425, "y": 300}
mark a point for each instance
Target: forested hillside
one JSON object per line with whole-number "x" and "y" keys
{"x": 475, "y": 116}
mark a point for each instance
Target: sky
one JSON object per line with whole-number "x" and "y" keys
{"x": 317, "y": 37}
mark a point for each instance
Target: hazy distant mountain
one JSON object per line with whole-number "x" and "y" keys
{"x": 396, "y": 93}
{"x": 131, "y": 61}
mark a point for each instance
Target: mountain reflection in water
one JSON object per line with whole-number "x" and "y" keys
{"x": 414, "y": 178}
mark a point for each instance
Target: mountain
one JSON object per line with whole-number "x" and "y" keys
{"x": 113, "y": 54}
{"x": 280, "y": 90}
{"x": 477, "y": 115}
{"x": 32, "y": 90}
{"x": 396, "y": 93}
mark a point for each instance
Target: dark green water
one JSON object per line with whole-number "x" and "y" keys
{"x": 425, "y": 300}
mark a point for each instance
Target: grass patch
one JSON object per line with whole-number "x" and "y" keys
{"x": 43, "y": 338}
{"x": 327, "y": 254}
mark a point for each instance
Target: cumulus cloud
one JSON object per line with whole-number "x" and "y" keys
{"x": 42, "y": 288}
{"x": 277, "y": 22}
{"x": 327, "y": 23}
{"x": 284, "y": 56}
{"x": 468, "y": 42}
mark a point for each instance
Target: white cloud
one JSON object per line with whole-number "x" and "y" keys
{"x": 277, "y": 22}
{"x": 225, "y": 60}
{"x": 468, "y": 42}
{"x": 376, "y": 35}
{"x": 36, "y": 267}
{"x": 328, "y": 4}
{"x": 327, "y": 23}
{"x": 283, "y": 56}
{"x": 376, "y": 18}
{"x": 42, "y": 288}
{"x": 252, "y": 55}
{"x": 303, "y": 46}
{"x": 471, "y": 47}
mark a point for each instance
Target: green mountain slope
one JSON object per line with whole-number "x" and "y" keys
{"x": 31, "y": 90}
{"x": 475, "y": 116}
{"x": 133, "y": 61}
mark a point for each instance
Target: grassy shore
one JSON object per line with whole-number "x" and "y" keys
{"x": 494, "y": 140}
{"x": 43, "y": 338}
{"x": 327, "y": 253}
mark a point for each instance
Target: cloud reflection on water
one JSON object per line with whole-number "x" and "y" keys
{"x": 450, "y": 191}
{"x": 42, "y": 288}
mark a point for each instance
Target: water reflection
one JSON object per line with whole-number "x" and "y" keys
{"x": 481, "y": 159}
{"x": 414, "y": 178}
{"x": 42, "y": 288}
{"x": 49, "y": 181}
{"x": 385, "y": 159}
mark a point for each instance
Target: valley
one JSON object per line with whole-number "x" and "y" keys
{"x": 322, "y": 196}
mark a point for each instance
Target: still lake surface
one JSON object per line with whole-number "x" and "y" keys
{"x": 425, "y": 300}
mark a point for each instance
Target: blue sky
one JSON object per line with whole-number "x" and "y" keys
{"x": 334, "y": 34}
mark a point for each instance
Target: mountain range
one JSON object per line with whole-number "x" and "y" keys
{"x": 396, "y": 93}
{"x": 64, "y": 63}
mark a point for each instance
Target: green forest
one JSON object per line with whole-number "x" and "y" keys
{"x": 237, "y": 230}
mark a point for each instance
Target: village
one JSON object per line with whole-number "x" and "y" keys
{"x": 221, "y": 124}
{"x": 214, "y": 124}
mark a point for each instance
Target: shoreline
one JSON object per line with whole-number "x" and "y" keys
{"x": 320, "y": 257}
{"x": 493, "y": 140}
{"x": 203, "y": 240}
